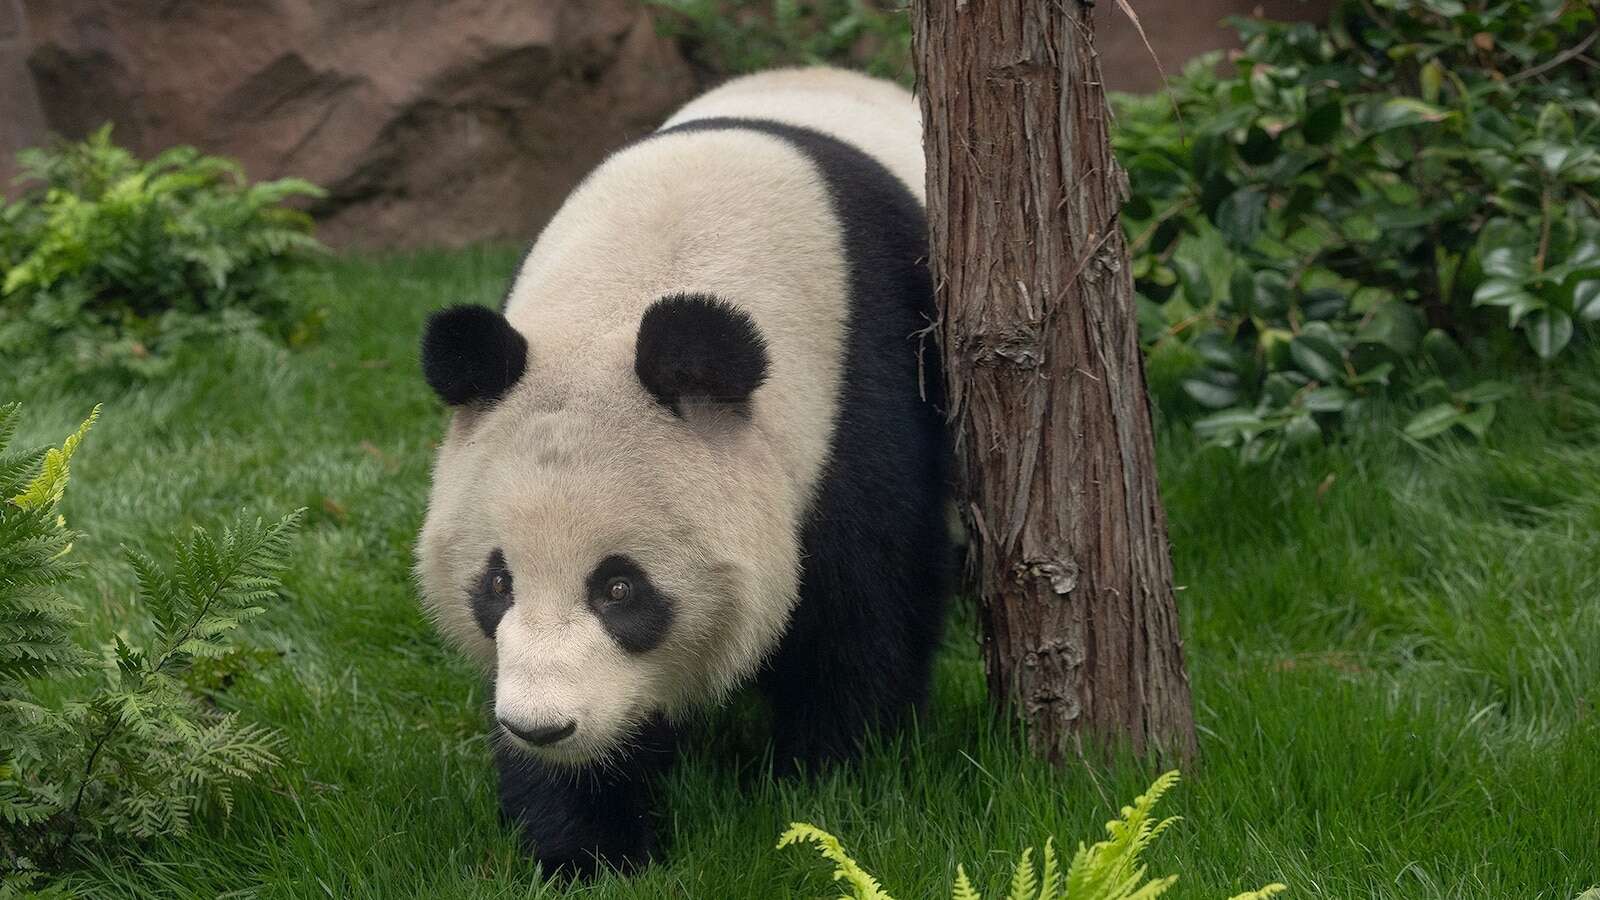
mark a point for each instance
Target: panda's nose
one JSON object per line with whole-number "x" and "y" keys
{"x": 542, "y": 735}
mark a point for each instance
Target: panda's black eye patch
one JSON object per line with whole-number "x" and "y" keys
{"x": 634, "y": 612}
{"x": 492, "y": 593}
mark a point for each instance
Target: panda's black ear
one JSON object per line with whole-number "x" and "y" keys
{"x": 697, "y": 347}
{"x": 472, "y": 354}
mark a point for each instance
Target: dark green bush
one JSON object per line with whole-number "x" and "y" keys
{"x": 730, "y": 37}
{"x": 126, "y": 742}
{"x": 1379, "y": 206}
{"x": 122, "y": 259}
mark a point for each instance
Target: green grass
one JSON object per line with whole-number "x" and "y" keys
{"x": 1395, "y": 653}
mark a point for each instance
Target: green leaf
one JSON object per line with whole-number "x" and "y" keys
{"x": 1328, "y": 400}
{"x": 1395, "y": 325}
{"x": 1271, "y": 293}
{"x": 1478, "y": 420}
{"x": 1317, "y": 358}
{"x": 1586, "y": 300}
{"x": 1509, "y": 294}
{"x": 1508, "y": 262}
{"x": 1196, "y": 285}
{"x": 1432, "y": 80}
{"x": 1323, "y": 123}
{"x": 1548, "y": 330}
{"x": 1378, "y": 374}
{"x": 1433, "y": 421}
{"x": 1555, "y": 124}
{"x": 1486, "y": 392}
{"x": 1258, "y": 148}
{"x": 1302, "y": 430}
{"x": 1228, "y": 423}
{"x": 1242, "y": 290}
{"x": 1214, "y": 349}
{"x": 1403, "y": 112}
{"x": 1445, "y": 353}
{"x": 1241, "y": 215}
{"x": 1324, "y": 303}
{"x": 1209, "y": 394}
{"x": 1279, "y": 389}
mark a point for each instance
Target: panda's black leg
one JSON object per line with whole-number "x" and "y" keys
{"x": 574, "y": 821}
{"x": 848, "y": 666}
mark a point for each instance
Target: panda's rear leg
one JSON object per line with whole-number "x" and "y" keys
{"x": 575, "y": 821}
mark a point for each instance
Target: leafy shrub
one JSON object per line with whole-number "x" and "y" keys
{"x": 1108, "y": 870}
{"x": 729, "y": 37}
{"x": 124, "y": 258}
{"x": 123, "y": 742}
{"x": 1375, "y": 205}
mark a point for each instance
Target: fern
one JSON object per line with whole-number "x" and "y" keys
{"x": 1108, "y": 870}
{"x": 963, "y": 889}
{"x": 1111, "y": 869}
{"x": 862, "y": 885}
{"x": 116, "y": 743}
{"x": 36, "y": 621}
{"x": 111, "y": 261}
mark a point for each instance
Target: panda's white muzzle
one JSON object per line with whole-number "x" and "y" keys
{"x": 564, "y": 691}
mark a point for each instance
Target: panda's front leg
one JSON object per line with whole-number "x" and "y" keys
{"x": 576, "y": 820}
{"x": 829, "y": 691}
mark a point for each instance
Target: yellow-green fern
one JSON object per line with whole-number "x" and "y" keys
{"x": 46, "y": 488}
{"x": 864, "y": 886}
{"x": 1108, "y": 870}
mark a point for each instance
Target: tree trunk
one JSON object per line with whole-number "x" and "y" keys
{"x": 1045, "y": 380}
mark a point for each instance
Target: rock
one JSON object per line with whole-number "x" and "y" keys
{"x": 21, "y": 119}
{"x": 429, "y": 122}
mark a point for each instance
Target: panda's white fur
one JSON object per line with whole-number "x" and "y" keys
{"x": 577, "y": 461}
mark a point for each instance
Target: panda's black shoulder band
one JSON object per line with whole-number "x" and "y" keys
{"x": 699, "y": 347}
{"x": 472, "y": 354}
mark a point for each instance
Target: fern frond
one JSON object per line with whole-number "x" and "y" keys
{"x": 10, "y": 415}
{"x": 45, "y": 491}
{"x": 1050, "y": 880}
{"x": 215, "y": 586}
{"x": 1023, "y": 880}
{"x": 864, "y": 886}
{"x": 963, "y": 889}
{"x": 36, "y": 621}
{"x": 1110, "y": 869}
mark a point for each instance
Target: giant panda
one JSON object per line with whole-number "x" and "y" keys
{"x": 700, "y": 446}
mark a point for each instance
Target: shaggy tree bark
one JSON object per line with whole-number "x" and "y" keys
{"x": 1045, "y": 381}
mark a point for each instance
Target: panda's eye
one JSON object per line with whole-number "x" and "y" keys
{"x": 501, "y": 584}
{"x": 619, "y": 590}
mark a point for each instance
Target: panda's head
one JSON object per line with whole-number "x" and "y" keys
{"x": 608, "y": 529}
